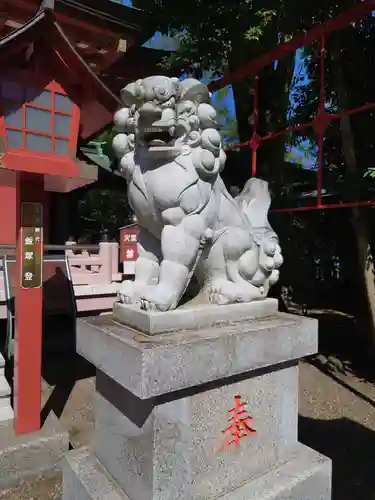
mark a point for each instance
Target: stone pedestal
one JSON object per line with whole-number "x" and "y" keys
{"x": 164, "y": 425}
{"x": 27, "y": 455}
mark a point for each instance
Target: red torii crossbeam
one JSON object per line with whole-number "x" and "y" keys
{"x": 322, "y": 119}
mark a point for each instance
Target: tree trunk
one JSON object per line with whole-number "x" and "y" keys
{"x": 359, "y": 218}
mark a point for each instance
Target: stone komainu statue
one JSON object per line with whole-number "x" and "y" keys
{"x": 171, "y": 154}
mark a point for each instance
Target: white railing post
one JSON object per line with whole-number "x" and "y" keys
{"x": 105, "y": 254}
{"x": 115, "y": 247}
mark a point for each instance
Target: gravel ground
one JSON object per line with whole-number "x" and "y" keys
{"x": 337, "y": 418}
{"x": 48, "y": 488}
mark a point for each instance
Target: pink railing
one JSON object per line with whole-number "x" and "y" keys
{"x": 94, "y": 267}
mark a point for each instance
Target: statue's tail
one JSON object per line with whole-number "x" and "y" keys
{"x": 255, "y": 201}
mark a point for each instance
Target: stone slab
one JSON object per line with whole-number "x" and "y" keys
{"x": 151, "y": 366}
{"x": 5, "y": 389}
{"x": 85, "y": 479}
{"x": 160, "y": 450}
{"x": 6, "y": 413}
{"x": 192, "y": 317}
{"x": 306, "y": 477}
{"x": 28, "y": 455}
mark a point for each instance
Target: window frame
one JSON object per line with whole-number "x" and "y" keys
{"x": 55, "y": 88}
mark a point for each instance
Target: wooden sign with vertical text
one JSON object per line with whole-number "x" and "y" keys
{"x": 31, "y": 245}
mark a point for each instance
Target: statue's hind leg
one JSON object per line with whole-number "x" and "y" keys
{"x": 226, "y": 292}
{"x": 235, "y": 289}
{"x": 225, "y": 285}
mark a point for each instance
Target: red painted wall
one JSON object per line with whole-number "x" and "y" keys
{"x": 8, "y": 207}
{"x": 46, "y": 215}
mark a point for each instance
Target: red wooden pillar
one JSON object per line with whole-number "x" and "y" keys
{"x": 28, "y": 318}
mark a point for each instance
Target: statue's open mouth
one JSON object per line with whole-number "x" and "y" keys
{"x": 157, "y": 136}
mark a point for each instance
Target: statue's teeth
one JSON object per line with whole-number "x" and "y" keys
{"x": 154, "y": 129}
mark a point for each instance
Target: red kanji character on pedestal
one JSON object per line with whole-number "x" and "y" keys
{"x": 240, "y": 424}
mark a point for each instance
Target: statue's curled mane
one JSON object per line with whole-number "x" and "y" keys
{"x": 191, "y": 123}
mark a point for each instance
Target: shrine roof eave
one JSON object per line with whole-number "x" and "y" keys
{"x": 15, "y": 41}
{"x": 83, "y": 71}
{"x": 111, "y": 13}
{"x": 101, "y": 161}
{"x": 44, "y": 27}
{"x": 98, "y": 16}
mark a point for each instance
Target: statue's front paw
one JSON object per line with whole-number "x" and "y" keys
{"x": 158, "y": 298}
{"x": 130, "y": 292}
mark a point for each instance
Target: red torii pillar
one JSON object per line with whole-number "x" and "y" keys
{"x": 28, "y": 303}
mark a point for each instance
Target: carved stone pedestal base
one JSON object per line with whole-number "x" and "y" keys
{"x": 307, "y": 477}
{"x": 197, "y": 415}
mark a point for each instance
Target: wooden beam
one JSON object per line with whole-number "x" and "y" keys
{"x": 29, "y": 5}
{"x": 10, "y": 23}
{"x": 28, "y": 33}
{"x": 81, "y": 70}
{"x": 48, "y": 4}
{"x": 26, "y": 9}
{"x": 90, "y": 28}
{"x": 2, "y": 25}
{"x": 115, "y": 52}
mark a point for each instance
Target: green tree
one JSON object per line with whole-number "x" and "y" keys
{"x": 349, "y": 145}
{"x": 101, "y": 210}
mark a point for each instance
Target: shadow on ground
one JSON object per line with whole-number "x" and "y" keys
{"x": 62, "y": 367}
{"x": 343, "y": 343}
{"x": 352, "y": 449}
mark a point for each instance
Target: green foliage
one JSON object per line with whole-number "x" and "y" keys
{"x": 210, "y": 31}
{"x": 106, "y": 137}
{"x": 264, "y": 18}
{"x": 102, "y": 210}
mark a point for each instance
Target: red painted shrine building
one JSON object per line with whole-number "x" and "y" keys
{"x": 56, "y": 59}
{"x": 62, "y": 65}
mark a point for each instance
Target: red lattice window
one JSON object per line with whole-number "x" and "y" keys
{"x": 42, "y": 121}
{"x": 323, "y": 122}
